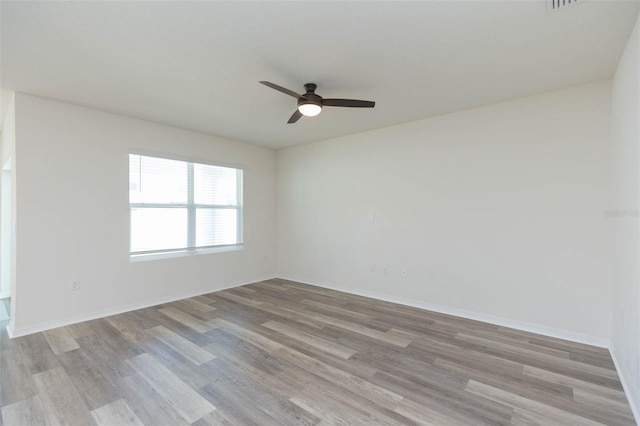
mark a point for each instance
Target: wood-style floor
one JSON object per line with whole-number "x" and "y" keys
{"x": 283, "y": 353}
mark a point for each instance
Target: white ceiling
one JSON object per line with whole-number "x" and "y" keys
{"x": 196, "y": 65}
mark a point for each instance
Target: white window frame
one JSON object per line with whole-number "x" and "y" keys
{"x": 191, "y": 208}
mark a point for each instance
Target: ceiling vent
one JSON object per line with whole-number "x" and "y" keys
{"x": 559, "y": 4}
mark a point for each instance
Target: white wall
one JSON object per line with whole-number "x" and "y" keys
{"x": 73, "y": 217}
{"x": 495, "y": 211}
{"x": 7, "y": 195}
{"x": 8, "y": 138}
{"x": 5, "y": 232}
{"x": 626, "y": 185}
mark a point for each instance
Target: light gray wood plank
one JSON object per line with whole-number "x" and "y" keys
{"x": 213, "y": 419}
{"x": 186, "y": 319}
{"x": 423, "y": 414}
{"x": 247, "y": 335}
{"x": 322, "y": 344}
{"x": 129, "y": 328}
{"x": 289, "y": 315}
{"x": 562, "y": 362}
{"x": 186, "y": 348}
{"x": 79, "y": 330}
{"x": 336, "y": 405}
{"x": 391, "y": 338}
{"x": 273, "y": 305}
{"x": 16, "y": 383}
{"x": 117, "y": 413}
{"x": 465, "y": 407}
{"x": 60, "y": 340}
{"x": 62, "y": 404}
{"x": 533, "y": 408}
{"x": 204, "y": 298}
{"x": 602, "y": 392}
{"x": 245, "y": 290}
{"x": 240, "y": 389}
{"x": 146, "y": 404}
{"x": 182, "y": 398}
{"x": 198, "y": 305}
{"x": 113, "y": 338}
{"x": 604, "y": 404}
{"x": 35, "y": 353}
{"x": 335, "y": 309}
{"x": 109, "y": 360}
{"x": 518, "y": 383}
{"x": 24, "y": 413}
{"x": 523, "y": 418}
{"x": 238, "y": 299}
{"x": 95, "y": 388}
{"x": 358, "y": 385}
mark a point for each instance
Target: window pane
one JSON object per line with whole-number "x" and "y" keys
{"x": 158, "y": 229}
{"x": 157, "y": 180}
{"x": 216, "y": 227}
{"x": 215, "y": 185}
{"x": 177, "y": 205}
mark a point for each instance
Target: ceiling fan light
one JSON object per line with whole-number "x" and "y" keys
{"x": 309, "y": 110}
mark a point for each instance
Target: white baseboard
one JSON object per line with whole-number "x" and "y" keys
{"x": 633, "y": 395}
{"x": 23, "y": 331}
{"x": 503, "y": 322}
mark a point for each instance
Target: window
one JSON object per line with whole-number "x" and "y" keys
{"x": 182, "y": 206}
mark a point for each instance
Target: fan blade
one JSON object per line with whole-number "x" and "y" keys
{"x": 295, "y": 117}
{"x": 281, "y": 89}
{"x": 351, "y": 103}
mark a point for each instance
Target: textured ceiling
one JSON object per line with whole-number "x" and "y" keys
{"x": 196, "y": 65}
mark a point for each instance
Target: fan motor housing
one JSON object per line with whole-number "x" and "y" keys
{"x": 310, "y": 98}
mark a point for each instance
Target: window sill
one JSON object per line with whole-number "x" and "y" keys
{"x": 134, "y": 258}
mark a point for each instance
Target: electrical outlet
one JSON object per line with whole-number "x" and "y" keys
{"x": 372, "y": 267}
{"x": 75, "y": 285}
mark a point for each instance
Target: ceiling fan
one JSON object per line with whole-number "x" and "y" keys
{"x": 310, "y": 104}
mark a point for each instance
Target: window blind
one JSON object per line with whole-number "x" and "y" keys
{"x": 178, "y": 205}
